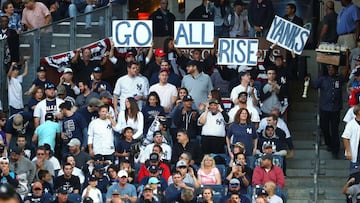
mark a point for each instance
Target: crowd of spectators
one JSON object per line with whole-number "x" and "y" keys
{"x": 161, "y": 132}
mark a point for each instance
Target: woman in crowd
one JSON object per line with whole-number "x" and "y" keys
{"x": 208, "y": 174}
{"x": 37, "y": 96}
{"x": 14, "y": 18}
{"x": 207, "y": 195}
{"x": 131, "y": 117}
{"x": 244, "y": 131}
{"x": 151, "y": 110}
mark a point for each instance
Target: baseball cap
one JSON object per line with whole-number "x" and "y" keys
{"x": 106, "y": 94}
{"x": 192, "y": 63}
{"x": 68, "y": 70}
{"x": 181, "y": 163}
{"x": 357, "y": 72}
{"x": 65, "y": 105}
{"x": 262, "y": 192}
{"x": 49, "y": 86}
{"x": 213, "y": 101}
{"x": 154, "y": 157}
{"x": 60, "y": 90}
{"x": 74, "y": 142}
{"x": 4, "y": 159}
{"x": 7, "y": 191}
{"x": 243, "y": 72}
{"x": 115, "y": 192}
{"x": 187, "y": 98}
{"x": 267, "y": 156}
{"x": 159, "y": 52}
{"x": 147, "y": 187}
{"x": 157, "y": 133}
{"x": 153, "y": 169}
{"x": 122, "y": 173}
{"x": 97, "y": 69}
{"x": 95, "y": 102}
{"x": 98, "y": 157}
{"x": 49, "y": 116}
{"x": 15, "y": 150}
{"x": 62, "y": 190}
{"x": 41, "y": 68}
{"x": 88, "y": 200}
{"x": 93, "y": 178}
{"x": 234, "y": 182}
{"x": 164, "y": 70}
{"x": 267, "y": 145}
{"x": 18, "y": 121}
{"x": 153, "y": 180}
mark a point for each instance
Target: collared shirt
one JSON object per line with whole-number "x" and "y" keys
{"x": 346, "y": 20}
{"x": 330, "y": 92}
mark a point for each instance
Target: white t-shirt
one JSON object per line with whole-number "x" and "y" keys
{"x": 255, "y": 118}
{"x": 214, "y": 125}
{"x": 95, "y": 195}
{"x": 166, "y": 155}
{"x": 165, "y": 92}
{"x": 15, "y": 92}
{"x": 349, "y": 115}
{"x": 130, "y": 87}
{"x": 352, "y": 132}
{"x": 275, "y": 199}
{"x": 280, "y": 124}
{"x": 137, "y": 126}
{"x": 236, "y": 90}
{"x": 101, "y": 136}
{"x": 45, "y": 106}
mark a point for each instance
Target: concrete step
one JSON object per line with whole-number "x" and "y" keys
{"x": 304, "y": 106}
{"x": 303, "y": 125}
{"x": 299, "y": 116}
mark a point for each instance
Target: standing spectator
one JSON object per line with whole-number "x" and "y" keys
{"x": 238, "y": 171}
{"x": 260, "y": 14}
{"x": 328, "y": 31}
{"x": 348, "y": 24}
{"x": 154, "y": 160}
{"x": 83, "y": 99}
{"x": 173, "y": 79}
{"x": 90, "y": 112}
{"x": 151, "y": 111}
{"x": 175, "y": 190}
{"x": 351, "y": 137}
{"x": 213, "y": 122}
{"x": 270, "y": 92}
{"x": 330, "y": 105}
{"x": 238, "y": 20}
{"x": 186, "y": 117}
{"x": 36, "y": 97}
{"x": 62, "y": 94}
{"x": 80, "y": 6}
{"x": 201, "y": 13}
{"x": 244, "y": 86}
{"x": 158, "y": 139}
{"x": 155, "y": 66}
{"x": 97, "y": 84}
{"x": 40, "y": 81}
{"x": 182, "y": 145}
{"x": 242, "y": 102}
{"x": 197, "y": 82}
{"x": 11, "y": 48}
{"x": 102, "y": 129}
{"x": 242, "y": 130}
{"x": 68, "y": 181}
{"x": 66, "y": 79}
{"x": 163, "y": 21}
{"x": 47, "y": 132}
{"x": 131, "y": 117}
{"x": 3, "y": 119}
{"x": 15, "y": 92}
{"x": 73, "y": 126}
{"x": 166, "y": 91}
{"x": 48, "y": 105}
{"x": 14, "y": 18}
{"x": 123, "y": 147}
{"x": 221, "y": 10}
{"x": 84, "y": 65}
{"x": 36, "y": 15}
{"x": 130, "y": 85}
{"x": 18, "y": 124}
{"x": 126, "y": 191}
{"x": 290, "y": 15}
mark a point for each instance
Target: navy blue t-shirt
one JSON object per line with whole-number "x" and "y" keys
{"x": 245, "y": 133}
{"x": 102, "y": 84}
{"x": 88, "y": 116}
{"x": 73, "y": 126}
{"x": 150, "y": 112}
{"x": 40, "y": 83}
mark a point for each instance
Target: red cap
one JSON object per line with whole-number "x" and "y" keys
{"x": 159, "y": 52}
{"x": 164, "y": 70}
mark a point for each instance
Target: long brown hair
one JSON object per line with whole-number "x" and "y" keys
{"x": 133, "y": 110}
{"x": 237, "y": 116}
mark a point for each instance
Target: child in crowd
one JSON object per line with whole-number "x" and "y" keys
{"x": 40, "y": 81}
{"x": 45, "y": 179}
{"x": 92, "y": 191}
{"x": 124, "y": 146}
{"x": 15, "y": 92}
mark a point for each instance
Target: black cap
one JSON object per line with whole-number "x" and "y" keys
{"x": 98, "y": 157}
{"x": 267, "y": 156}
{"x": 97, "y": 69}
{"x": 187, "y": 98}
{"x": 16, "y": 150}
{"x": 49, "y": 86}
{"x": 88, "y": 200}
{"x": 153, "y": 169}
{"x": 41, "y": 68}
{"x": 262, "y": 192}
{"x": 239, "y": 2}
{"x": 65, "y": 105}
{"x": 7, "y": 191}
{"x": 49, "y": 116}
{"x": 62, "y": 190}
{"x": 93, "y": 178}
{"x": 154, "y": 157}
{"x": 193, "y": 63}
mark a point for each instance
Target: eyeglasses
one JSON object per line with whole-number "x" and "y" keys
{"x": 40, "y": 154}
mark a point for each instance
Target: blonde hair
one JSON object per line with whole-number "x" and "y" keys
{"x": 207, "y": 156}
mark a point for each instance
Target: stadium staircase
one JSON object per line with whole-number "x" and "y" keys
{"x": 332, "y": 173}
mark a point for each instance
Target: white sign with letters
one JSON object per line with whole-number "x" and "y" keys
{"x": 132, "y": 33}
{"x": 194, "y": 34}
{"x": 288, "y": 35}
{"x": 236, "y": 51}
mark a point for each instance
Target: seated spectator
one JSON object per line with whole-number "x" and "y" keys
{"x": 62, "y": 195}
{"x": 102, "y": 180}
{"x": 81, "y": 6}
{"x": 125, "y": 165}
{"x": 270, "y": 189}
{"x": 7, "y": 176}
{"x": 187, "y": 174}
{"x": 233, "y": 188}
{"x": 154, "y": 172}
{"x": 112, "y": 173}
{"x": 42, "y": 163}
{"x": 81, "y": 157}
{"x": 238, "y": 148}
{"x": 153, "y": 160}
{"x": 238, "y": 172}
{"x": 240, "y": 158}
{"x": 175, "y": 190}
{"x": 68, "y": 181}
{"x": 126, "y": 190}
{"x": 37, "y": 194}
{"x": 268, "y": 149}
{"x": 268, "y": 172}
{"x": 147, "y": 195}
{"x": 236, "y": 198}
{"x": 91, "y": 190}
{"x": 158, "y": 139}
{"x": 155, "y": 185}
{"x": 277, "y": 141}
{"x": 208, "y": 174}
{"x": 75, "y": 171}
{"x": 27, "y": 149}
{"x": 207, "y": 195}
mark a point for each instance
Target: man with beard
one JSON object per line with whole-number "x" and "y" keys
{"x": 85, "y": 95}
